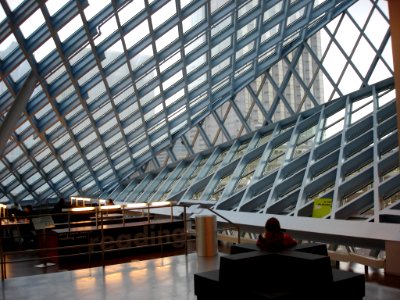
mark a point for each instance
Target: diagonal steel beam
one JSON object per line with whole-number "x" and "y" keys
{"x": 16, "y": 109}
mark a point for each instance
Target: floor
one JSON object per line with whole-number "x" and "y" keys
{"x": 165, "y": 278}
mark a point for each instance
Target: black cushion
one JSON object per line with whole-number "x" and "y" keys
{"x": 291, "y": 274}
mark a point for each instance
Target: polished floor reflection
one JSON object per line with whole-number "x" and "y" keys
{"x": 158, "y": 278}
{"x": 162, "y": 278}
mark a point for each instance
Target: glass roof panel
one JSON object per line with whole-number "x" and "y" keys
{"x": 20, "y": 71}
{"x": 105, "y": 30}
{"x": 137, "y": 34}
{"x": 8, "y": 46}
{"x": 54, "y": 6}
{"x": 2, "y": 14}
{"x": 130, "y": 10}
{"x": 163, "y": 14}
{"x": 31, "y": 24}
{"x": 224, "y": 23}
{"x": 167, "y": 39}
{"x": 70, "y": 28}
{"x": 138, "y": 81}
{"x": 194, "y": 19}
{"x": 13, "y": 4}
{"x": 94, "y": 7}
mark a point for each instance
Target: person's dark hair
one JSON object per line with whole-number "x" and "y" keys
{"x": 273, "y": 225}
{"x": 28, "y": 208}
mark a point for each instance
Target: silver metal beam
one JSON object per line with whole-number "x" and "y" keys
{"x": 16, "y": 109}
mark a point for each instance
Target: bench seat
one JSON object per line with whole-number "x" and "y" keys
{"x": 291, "y": 274}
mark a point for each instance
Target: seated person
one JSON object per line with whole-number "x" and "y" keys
{"x": 15, "y": 211}
{"x": 274, "y": 239}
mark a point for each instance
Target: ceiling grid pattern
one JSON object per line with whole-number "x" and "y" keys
{"x": 128, "y": 87}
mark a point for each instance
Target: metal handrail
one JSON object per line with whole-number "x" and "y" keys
{"x": 161, "y": 241}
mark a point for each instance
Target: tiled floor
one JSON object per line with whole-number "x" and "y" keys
{"x": 158, "y": 278}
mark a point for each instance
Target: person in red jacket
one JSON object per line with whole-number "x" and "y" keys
{"x": 274, "y": 238}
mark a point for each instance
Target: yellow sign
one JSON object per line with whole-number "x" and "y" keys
{"x": 322, "y": 207}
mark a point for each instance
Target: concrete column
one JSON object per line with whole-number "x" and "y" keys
{"x": 394, "y": 19}
{"x": 392, "y": 264}
{"x": 206, "y": 235}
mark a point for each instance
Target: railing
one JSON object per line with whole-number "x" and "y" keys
{"x": 98, "y": 246}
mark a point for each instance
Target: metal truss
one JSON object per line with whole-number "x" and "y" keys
{"x": 128, "y": 89}
{"x": 345, "y": 150}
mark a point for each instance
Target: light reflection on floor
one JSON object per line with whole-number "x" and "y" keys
{"x": 160, "y": 278}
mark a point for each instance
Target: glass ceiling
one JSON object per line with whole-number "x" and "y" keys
{"x": 104, "y": 91}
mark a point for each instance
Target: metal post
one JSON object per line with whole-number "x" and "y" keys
{"x": 185, "y": 230}
{"x": 102, "y": 239}
{"x": 69, "y": 221}
{"x": 2, "y": 262}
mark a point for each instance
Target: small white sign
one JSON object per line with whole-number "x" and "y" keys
{"x": 43, "y": 222}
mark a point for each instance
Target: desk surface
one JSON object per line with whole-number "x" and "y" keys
{"x": 9, "y": 224}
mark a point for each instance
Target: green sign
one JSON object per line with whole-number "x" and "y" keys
{"x": 322, "y": 207}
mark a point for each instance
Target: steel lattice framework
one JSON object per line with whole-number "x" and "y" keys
{"x": 332, "y": 151}
{"x": 113, "y": 98}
